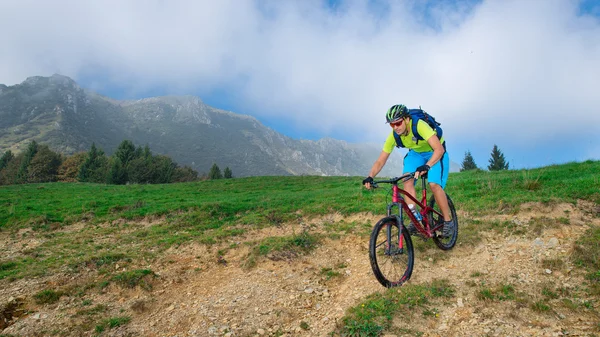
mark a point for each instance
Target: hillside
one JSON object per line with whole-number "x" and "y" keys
{"x": 57, "y": 112}
{"x": 287, "y": 256}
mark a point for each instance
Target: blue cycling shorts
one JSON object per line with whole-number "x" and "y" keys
{"x": 437, "y": 174}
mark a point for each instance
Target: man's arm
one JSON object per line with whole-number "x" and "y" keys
{"x": 377, "y": 166}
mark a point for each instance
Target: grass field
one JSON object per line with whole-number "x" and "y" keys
{"x": 121, "y": 224}
{"x": 208, "y": 211}
{"x": 253, "y": 200}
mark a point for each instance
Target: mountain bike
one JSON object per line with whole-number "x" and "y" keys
{"x": 390, "y": 246}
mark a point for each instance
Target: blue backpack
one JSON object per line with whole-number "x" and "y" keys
{"x": 416, "y": 115}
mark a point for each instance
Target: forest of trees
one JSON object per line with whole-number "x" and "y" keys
{"x": 128, "y": 165}
{"x": 131, "y": 165}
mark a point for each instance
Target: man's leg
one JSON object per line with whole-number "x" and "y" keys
{"x": 437, "y": 176}
{"x": 441, "y": 200}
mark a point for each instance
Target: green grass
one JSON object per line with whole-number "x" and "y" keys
{"x": 100, "y": 308}
{"x": 504, "y": 191}
{"x": 47, "y": 296}
{"x": 304, "y": 325}
{"x": 374, "y": 315}
{"x": 333, "y": 272}
{"x": 209, "y": 212}
{"x": 549, "y": 293}
{"x": 288, "y": 244}
{"x": 104, "y": 260}
{"x": 540, "y": 306}
{"x": 211, "y": 204}
{"x": 112, "y": 323}
{"x": 263, "y": 201}
{"x": 329, "y": 273}
{"x": 586, "y": 255}
{"x": 504, "y": 292}
{"x": 7, "y": 268}
{"x": 135, "y": 278}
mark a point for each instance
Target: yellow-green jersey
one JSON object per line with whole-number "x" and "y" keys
{"x": 410, "y": 140}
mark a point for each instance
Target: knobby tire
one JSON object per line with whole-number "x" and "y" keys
{"x": 434, "y": 219}
{"x": 391, "y": 265}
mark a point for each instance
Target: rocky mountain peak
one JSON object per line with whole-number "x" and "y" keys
{"x": 174, "y": 108}
{"x": 55, "y": 80}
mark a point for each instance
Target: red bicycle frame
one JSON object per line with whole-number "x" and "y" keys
{"x": 398, "y": 200}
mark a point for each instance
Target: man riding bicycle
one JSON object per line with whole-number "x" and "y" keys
{"x": 428, "y": 157}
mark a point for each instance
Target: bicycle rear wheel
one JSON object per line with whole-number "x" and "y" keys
{"x": 391, "y": 253}
{"x": 444, "y": 243}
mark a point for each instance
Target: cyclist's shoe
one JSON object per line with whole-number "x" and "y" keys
{"x": 448, "y": 229}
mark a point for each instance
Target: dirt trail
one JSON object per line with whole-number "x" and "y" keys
{"x": 198, "y": 294}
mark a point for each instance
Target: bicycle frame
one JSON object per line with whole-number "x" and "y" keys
{"x": 391, "y": 250}
{"x": 398, "y": 200}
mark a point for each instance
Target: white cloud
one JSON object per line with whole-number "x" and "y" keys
{"x": 517, "y": 73}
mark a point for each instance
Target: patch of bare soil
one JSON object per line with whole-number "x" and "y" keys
{"x": 206, "y": 290}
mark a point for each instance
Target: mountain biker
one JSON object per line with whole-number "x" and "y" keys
{"x": 427, "y": 157}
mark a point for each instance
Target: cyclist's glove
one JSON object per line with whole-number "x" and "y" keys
{"x": 368, "y": 180}
{"x": 423, "y": 168}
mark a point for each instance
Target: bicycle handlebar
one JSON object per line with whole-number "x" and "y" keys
{"x": 395, "y": 180}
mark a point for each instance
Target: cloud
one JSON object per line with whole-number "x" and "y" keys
{"x": 523, "y": 74}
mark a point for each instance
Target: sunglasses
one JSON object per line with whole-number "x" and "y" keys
{"x": 398, "y": 123}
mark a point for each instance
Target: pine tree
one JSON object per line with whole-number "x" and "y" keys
{"x": 6, "y": 157}
{"x": 21, "y": 177}
{"x": 138, "y": 152}
{"x": 139, "y": 171}
{"x": 227, "y": 173}
{"x": 95, "y": 167}
{"x": 87, "y": 166}
{"x": 147, "y": 153}
{"x": 215, "y": 172}
{"x": 125, "y": 152}
{"x": 8, "y": 175}
{"x": 497, "y": 161}
{"x": 44, "y": 166}
{"x": 142, "y": 169}
{"x": 468, "y": 163}
{"x": 163, "y": 168}
{"x": 117, "y": 174}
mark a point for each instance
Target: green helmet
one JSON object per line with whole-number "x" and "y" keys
{"x": 396, "y": 112}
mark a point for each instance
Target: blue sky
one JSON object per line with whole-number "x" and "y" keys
{"x": 521, "y": 74}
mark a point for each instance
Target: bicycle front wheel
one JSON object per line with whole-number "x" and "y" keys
{"x": 391, "y": 253}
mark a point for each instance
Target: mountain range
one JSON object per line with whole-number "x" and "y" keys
{"x": 57, "y": 112}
